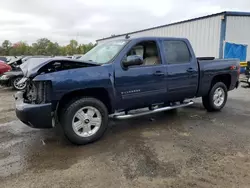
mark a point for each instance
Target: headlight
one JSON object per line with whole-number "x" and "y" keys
{"x": 4, "y": 77}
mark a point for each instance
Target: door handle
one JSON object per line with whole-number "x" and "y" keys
{"x": 190, "y": 70}
{"x": 158, "y": 73}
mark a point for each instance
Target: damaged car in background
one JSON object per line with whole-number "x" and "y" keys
{"x": 15, "y": 74}
{"x": 4, "y": 67}
{"x": 115, "y": 79}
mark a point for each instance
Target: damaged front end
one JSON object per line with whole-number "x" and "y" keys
{"x": 36, "y": 66}
{"x": 38, "y": 92}
{"x": 34, "y": 105}
{"x": 32, "y": 114}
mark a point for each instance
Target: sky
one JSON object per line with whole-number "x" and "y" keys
{"x": 89, "y": 20}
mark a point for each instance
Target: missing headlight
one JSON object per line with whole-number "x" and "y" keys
{"x": 38, "y": 92}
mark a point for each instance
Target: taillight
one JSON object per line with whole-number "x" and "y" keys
{"x": 233, "y": 67}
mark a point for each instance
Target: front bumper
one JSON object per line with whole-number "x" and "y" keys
{"x": 34, "y": 115}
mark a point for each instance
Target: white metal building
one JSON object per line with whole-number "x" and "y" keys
{"x": 207, "y": 34}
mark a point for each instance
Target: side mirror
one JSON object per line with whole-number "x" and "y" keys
{"x": 132, "y": 60}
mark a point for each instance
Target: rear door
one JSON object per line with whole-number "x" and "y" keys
{"x": 182, "y": 69}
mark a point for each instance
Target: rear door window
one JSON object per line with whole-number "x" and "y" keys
{"x": 176, "y": 52}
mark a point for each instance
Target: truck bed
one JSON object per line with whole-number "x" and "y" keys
{"x": 209, "y": 69}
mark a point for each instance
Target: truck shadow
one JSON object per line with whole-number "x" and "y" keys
{"x": 121, "y": 127}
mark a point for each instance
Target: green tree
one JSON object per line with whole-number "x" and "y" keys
{"x": 44, "y": 46}
{"x": 41, "y": 47}
{"x": 6, "y": 46}
{"x": 19, "y": 48}
{"x": 62, "y": 50}
{"x": 29, "y": 50}
{"x": 1, "y": 51}
{"x": 73, "y": 44}
{"x": 71, "y": 48}
{"x": 88, "y": 47}
{"x": 53, "y": 49}
{"x": 80, "y": 49}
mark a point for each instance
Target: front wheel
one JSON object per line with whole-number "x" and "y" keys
{"x": 216, "y": 98}
{"x": 16, "y": 86}
{"x": 84, "y": 120}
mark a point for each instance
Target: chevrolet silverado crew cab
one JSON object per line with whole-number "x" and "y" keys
{"x": 115, "y": 78}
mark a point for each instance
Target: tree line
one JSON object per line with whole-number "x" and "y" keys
{"x": 43, "y": 46}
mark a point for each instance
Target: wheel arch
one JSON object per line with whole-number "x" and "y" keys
{"x": 99, "y": 93}
{"x": 208, "y": 101}
{"x": 224, "y": 78}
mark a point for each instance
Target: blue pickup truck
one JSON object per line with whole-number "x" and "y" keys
{"x": 117, "y": 77}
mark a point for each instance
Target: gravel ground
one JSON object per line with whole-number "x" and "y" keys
{"x": 190, "y": 148}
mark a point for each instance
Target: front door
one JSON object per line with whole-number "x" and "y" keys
{"x": 142, "y": 85}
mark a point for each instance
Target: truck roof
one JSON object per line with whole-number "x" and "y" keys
{"x": 150, "y": 38}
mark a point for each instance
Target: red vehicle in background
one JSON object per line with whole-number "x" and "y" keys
{"x": 4, "y": 67}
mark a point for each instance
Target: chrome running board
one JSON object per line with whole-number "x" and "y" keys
{"x": 122, "y": 115}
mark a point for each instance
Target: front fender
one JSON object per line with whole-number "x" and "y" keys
{"x": 67, "y": 81}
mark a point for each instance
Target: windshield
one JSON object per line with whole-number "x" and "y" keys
{"x": 103, "y": 53}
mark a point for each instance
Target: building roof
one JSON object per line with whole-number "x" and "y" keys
{"x": 226, "y": 13}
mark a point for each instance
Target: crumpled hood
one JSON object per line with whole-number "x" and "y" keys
{"x": 32, "y": 67}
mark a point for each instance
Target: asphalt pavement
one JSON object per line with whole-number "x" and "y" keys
{"x": 189, "y": 148}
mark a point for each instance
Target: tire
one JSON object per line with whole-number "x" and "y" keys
{"x": 76, "y": 113}
{"x": 220, "y": 99}
{"x": 14, "y": 84}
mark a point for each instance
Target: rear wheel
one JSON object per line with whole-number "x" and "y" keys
{"x": 15, "y": 85}
{"x": 216, "y": 98}
{"x": 84, "y": 120}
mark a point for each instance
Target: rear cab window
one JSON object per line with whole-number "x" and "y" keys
{"x": 176, "y": 52}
